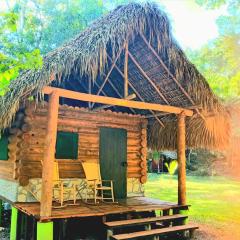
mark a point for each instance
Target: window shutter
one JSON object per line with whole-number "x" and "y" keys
{"x": 4, "y": 147}
{"x": 67, "y": 145}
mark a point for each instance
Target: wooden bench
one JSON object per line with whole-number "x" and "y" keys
{"x": 144, "y": 221}
{"x": 156, "y": 232}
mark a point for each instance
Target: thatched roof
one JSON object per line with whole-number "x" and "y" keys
{"x": 85, "y": 57}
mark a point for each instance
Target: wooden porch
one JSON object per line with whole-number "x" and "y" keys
{"x": 132, "y": 204}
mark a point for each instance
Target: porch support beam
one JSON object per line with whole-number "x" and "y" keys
{"x": 14, "y": 220}
{"x": 44, "y": 230}
{"x": 48, "y": 157}
{"x": 181, "y": 147}
{"x": 1, "y": 212}
{"x": 115, "y": 101}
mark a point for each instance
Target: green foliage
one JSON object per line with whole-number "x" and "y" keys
{"x": 171, "y": 166}
{"x": 30, "y": 28}
{"x": 15, "y": 55}
{"x": 218, "y": 61}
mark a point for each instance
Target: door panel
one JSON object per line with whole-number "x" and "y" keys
{"x": 113, "y": 159}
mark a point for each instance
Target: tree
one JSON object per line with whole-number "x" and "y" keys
{"x": 32, "y": 28}
{"x": 218, "y": 61}
{"x": 15, "y": 55}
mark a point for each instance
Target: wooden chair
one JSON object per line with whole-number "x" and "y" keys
{"x": 62, "y": 191}
{"x": 95, "y": 186}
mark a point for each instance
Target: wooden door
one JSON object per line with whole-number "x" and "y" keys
{"x": 113, "y": 159}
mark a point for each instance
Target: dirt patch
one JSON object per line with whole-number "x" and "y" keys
{"x": 207, "y": 232}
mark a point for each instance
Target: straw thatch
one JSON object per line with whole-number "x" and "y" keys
{"x": 85, "y": 58}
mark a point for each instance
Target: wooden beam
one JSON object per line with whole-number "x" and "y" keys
{"x": 156, "y": 115}
{"x": 49, "y": 155}
{"x": 114, "y": 88}
{"x": 103, "y": 107}
{"x": 116, "y": 101}
{"x": 169, "y": 73}
{"x": 148, "y": 78}
{"x": 181, "y": 147}
{"x": 139, "y": 96}
{"x": 108, "y": 74}
{"x": 89, "y": 91}
{"x": 126, "y": 71}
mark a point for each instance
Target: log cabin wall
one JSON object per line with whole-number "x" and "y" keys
{"x": 87, "y": 125}
{"x": 8, "y": 167}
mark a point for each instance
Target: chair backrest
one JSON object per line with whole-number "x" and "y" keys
{"x": 91, "y": 170}
{"x": 56, "y": 171}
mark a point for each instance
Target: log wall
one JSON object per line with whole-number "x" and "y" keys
{"x": 8, "y": 168}
{"x": 87, "y": 125}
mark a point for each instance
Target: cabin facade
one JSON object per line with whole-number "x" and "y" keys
{"x": 82, "y": 135}
{"x": 121, "y": 86}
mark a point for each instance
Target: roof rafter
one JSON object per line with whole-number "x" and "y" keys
{"x": 148, "y": 78}
{"x": 114, "y": 88}
{"x": 136, "y": 92}
{"x": 169, "y": 73}
{"x": 108, "y": 74}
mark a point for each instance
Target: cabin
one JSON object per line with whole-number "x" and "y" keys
{"x": 121, "y": 86}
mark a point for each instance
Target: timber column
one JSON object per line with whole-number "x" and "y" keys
{"x": 181, "y": 146}
{"x": 49, "y": 155}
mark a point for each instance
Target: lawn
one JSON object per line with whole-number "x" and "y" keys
{"x": 215, "y": 201}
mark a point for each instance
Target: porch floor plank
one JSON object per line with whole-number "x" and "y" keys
{"x": 133, "y": 204}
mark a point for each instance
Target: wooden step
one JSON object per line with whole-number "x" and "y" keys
{"x": 143, "y": 221}
{"x": 155, "y": 232}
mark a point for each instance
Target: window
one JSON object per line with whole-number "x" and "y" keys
{"x": 4, "y": 147}
{"x": 67, "y": 145}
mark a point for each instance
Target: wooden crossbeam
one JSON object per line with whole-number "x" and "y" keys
{"x": 108, "y": 74}
{"x": 156, "y": 115}
{"x": 147, "y": 77}
{"x": 116, "y": 91}
{"x": 169, "y": 73}
{"x": 139, "y": 96}
{"x": 115, "y": 101}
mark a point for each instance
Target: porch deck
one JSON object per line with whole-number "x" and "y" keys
{"x": 133, "y": 204}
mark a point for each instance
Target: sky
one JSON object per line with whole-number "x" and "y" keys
{"x": 192, "y": 25}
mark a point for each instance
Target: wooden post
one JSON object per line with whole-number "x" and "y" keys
{"x": 126, "y": 71}
{"x": 89, "y": 92}
{"x": 181, "y": 146}
{"x": 44, "y": 230}
{"x": 48, "y": 158}
{"x": 1, "y": 212}
{"x": 14, "y": 220}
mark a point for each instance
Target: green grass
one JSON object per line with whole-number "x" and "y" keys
{"x": 214, "y": 200}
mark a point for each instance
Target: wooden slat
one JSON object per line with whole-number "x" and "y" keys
{"x": 155, "y": 232}
{"x": 143, "y": 221}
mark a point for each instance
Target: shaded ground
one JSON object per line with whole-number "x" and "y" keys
{"x": 215, "y": 203}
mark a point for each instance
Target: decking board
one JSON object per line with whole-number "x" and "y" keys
{"x": 133, "y": 204}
